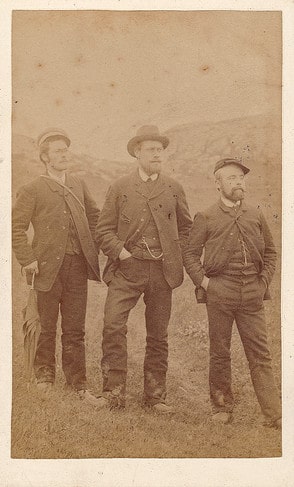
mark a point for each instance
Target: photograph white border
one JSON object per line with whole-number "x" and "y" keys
{"x": 265, "y": 472}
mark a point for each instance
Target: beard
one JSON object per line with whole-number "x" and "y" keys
{"x": 236, "y": 194}
{"x": 152, "y": 168}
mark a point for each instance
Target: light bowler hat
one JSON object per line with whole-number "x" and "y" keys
{"x": 147, "y": 132}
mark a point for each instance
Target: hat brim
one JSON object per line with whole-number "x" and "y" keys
{"x": 140, "y": 138}
{"x": 246, "y": 170}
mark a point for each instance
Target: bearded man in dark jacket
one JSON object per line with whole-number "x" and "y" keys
{"x": 233, "y": 279}
{"x": 142, "y": 229}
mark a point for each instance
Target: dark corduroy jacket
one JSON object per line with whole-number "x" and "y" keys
{"x": 121, "y": 217}
{"x": 47, "y": 205}
{"x": 215, "y": 231}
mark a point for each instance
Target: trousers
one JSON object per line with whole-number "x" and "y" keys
{"x": 133, "y": 278}
{"x": 240, "y": 299}
{"x": 69, "y": 295}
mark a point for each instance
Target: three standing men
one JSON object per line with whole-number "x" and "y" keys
{"x": 239, "y": 263}
{"x": 142, "y": 228}
{"x": 62, "y": 257}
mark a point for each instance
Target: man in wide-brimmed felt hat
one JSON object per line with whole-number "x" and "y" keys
{"x": 142, "y": 229}
{"x": 239, "y": 263}
{"x": 62, "y": 256}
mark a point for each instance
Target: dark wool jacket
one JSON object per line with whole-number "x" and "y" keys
{"x": 126, "y": 202}
{"x": 47, "y": 205}
{"x": 216, "y": 232}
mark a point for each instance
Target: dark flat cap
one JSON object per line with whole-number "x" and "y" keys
{"x": 228, "y": 162}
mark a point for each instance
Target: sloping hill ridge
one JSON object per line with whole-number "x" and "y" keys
{"x": 194, "y": 149}
{"x": 98, "y": 173}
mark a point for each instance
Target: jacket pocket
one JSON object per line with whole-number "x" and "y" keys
{"x": 125, "y": 218}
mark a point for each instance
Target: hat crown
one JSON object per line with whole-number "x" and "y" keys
{"x": 148, "y": 130}
{"x": 53, "y": 132}
{"x": 228, "y": 161}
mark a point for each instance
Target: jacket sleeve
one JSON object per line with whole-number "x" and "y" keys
{"x": 270, "y": 254}
{"x": 184, "y": 220}
{"x": 194, "y": 248}
{"x": 107, "y": 226}
{"x": 91, "y": 209}
{"x": 22, "y": 213}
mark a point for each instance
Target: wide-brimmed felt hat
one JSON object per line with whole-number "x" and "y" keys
{"x": 229, "y": 161}
{"x": 53, "y": 132}
{"x": 147, "y": 132}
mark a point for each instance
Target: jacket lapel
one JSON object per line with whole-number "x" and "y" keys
{"x": 140, "y": 185}
{"x": 141, "y": 188}
{"x": 69, "y": 181}
{"x": 158, "y": 188}
{"x": 53, "y": 185}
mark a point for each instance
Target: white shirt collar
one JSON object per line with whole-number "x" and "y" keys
{"x": 145, "y": 176}
{"x": 61, "y": 179}
{"x": 230, "y": 203}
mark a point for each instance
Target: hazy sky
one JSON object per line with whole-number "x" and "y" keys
{"x": 100, "y": 75}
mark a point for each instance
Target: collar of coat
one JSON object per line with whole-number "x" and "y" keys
{"x": 60, "y": 179}
{"x": 227, "y": 209}
{"x": 145, "y": 176}
{"x": 54, "y": 186}
{"x": 141, "y": 187}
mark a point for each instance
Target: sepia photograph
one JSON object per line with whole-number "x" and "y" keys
{"x": 146, "y": 235}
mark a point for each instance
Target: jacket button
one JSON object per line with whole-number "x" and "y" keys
{"x": 64, "y": 211}
{"x": 57, "y": 258}
{"x": 142, "y": 219}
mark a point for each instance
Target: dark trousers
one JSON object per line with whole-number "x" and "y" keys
{"x": 239, "y": 299}
{"x": 133, "y": 278}
{"x": 69, "y": 294}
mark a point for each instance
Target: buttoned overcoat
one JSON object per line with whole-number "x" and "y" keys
{"x": 48, "y": 206}
{"x": 120, "y": 222}
{"x": 215, "y": 233}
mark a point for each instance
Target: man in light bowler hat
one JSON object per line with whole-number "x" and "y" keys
{"x": 143, "y": 226}
{"x": 62, "y": 256}
{"x": 239, "y": 263}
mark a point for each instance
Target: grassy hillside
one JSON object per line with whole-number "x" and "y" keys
{"x": 63, "y": 427}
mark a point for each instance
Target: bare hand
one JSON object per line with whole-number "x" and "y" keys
{"x": 125, "y": 254}
{"x": 32, "y": 268}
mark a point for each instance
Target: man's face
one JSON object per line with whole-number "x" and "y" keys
{"x": 150, "y": 156}
{"x": 231, "y": 183}
{"x": 57, "y": 155}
